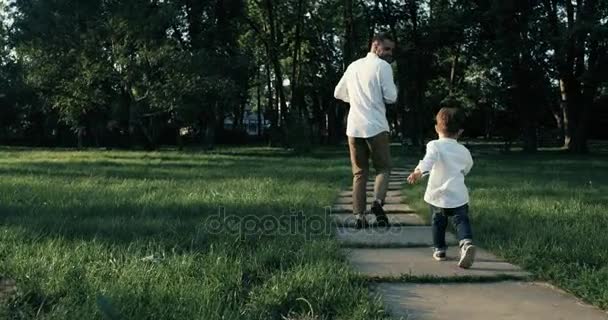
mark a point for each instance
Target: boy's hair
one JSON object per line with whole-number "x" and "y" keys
{"x": 449, "y": 120}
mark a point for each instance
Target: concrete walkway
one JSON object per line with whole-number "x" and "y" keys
{"x": 414, "y": 286}
{"x": 7, "y": 288}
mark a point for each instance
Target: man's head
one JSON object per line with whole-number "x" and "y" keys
{"x": 383, "y": 46}
{"x": 449, "y": 122}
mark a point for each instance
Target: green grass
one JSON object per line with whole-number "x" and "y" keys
{"x": 124, "y": 235}
{"x": 546, "y": 212}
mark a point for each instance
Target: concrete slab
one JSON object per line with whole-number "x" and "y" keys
{"x": 7, "y": 288}
{"x": 419, "y": 262}
{"x": 390, "y": 193}
{"x": 390, "y": 181}
{"x": 398, "y": 176}
{"x": 387, "y": 200}
{"x": 388, "y": 208}
{"x": 349, "y": 220}
{"x": 389, "y": 237}
{"x": 391, "y": 187}
{"x": 395, "y": 174}
{"x": 482, "y": 301}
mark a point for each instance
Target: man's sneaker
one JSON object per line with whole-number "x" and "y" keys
{"x": 439, "y": 255}
{"x": 467, "y": 255}
{"x": 361, "y": 222}
{"x": 381, "y": 218}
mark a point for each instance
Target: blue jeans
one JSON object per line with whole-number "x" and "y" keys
{"x": 440, "y": 223}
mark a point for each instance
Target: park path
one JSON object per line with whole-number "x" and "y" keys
{"x": 398, "y": 261}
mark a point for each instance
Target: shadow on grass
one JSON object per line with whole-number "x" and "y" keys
{"x": 84, "y": 205}
{"x": 182, "y": 226}
{"x": 187, "y": 170}
{"x": 71, "y": 230}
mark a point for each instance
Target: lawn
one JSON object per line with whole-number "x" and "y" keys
{"x": 546, "y": 212}
{"x": 128, "y": 235}
{"x": 136, "y": 235}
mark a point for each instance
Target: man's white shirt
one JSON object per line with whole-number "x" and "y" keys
{"x": 367, "y": 84}
{"x": 448, "y": 162}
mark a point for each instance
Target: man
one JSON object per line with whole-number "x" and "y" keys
{"x": 367, "y": 84}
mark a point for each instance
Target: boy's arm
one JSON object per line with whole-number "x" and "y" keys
{"x": 426, "y": 164}
{"x": 341, "y": 91}
{"x": 431, "y": 156}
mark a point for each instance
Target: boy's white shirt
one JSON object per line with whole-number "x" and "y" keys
{"x": 367, "y": 84}
{"x": 448, "y": 162}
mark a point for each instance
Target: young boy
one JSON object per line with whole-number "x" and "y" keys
{"x": 448, "y": 162}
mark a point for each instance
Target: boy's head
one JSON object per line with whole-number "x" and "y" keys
{"x": 449, "y": 122}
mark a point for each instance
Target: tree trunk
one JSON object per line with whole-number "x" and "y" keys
{"x": 584, "y": 80}
{"x": 271, "y": 105}
{"x": 179, "y": 139}
{"x": 296, "y": 54}
{"x": 349, "y": 36}
{"x": 274, "y": 58}
{"x": 488, "y": 119}
{"x": 453, "y": 71}
{"x": 150, "y": 128}
{"x": 563, "y": 109}
{"x": 558, "y": 116}
{"x": 564, "y": 62}
{"x": 332, "y": 122}
{"x": 272, "y": 110}
{"x": 339, "y": 115}
{"x": 132, "y": 121}
{"x": 259, "y": 96}
{"x": 80, "y": 134}
{"x": 209, "y": 127}
{"x": 318, "y": 118}
{"x": 416, "y": 86}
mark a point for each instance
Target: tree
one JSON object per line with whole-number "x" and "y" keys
{"x": 133, "y": 73}
{"x": 577, "y": 53}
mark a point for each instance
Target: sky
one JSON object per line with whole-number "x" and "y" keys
{"x": 3, "y": 5}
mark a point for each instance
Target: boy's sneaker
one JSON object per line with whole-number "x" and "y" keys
{"x": 439, "y": 255}
{"x": 361, "y": 222}
{"x": 381, "y": 218}
{"x": 467, "y": 255}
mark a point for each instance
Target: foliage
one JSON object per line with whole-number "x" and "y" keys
{"x": 139, "y": 71}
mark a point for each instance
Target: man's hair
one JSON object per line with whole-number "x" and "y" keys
{"x": 449, "y": 120}
{"x": 381, "y": 36}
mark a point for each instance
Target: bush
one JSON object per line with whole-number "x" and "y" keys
{"x": 234, "y": 137}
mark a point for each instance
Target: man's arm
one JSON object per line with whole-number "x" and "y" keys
{"x": 389, "y": 90}
{"x": 341, "y": 91}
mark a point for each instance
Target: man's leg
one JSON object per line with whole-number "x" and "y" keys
{"x": 380, "y": 150}
{"x": 381, "y": 156}
{"x": 359, "y": 158}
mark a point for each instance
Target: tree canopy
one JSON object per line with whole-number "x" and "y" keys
{"x": 149, "y": 72}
